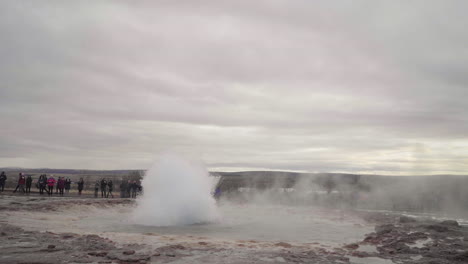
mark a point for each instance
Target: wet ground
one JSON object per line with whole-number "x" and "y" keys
{"x": 85, "y": 230}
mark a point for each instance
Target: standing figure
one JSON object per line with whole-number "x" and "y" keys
{"x": 19, "y": 179}
{"x": 3, "y": 179}
{"x": 96, "y": 189}
{"x": 57, "y": 185}
{"x": 28, "y": 184}
{"x": 50, "y": 185}
{"x": 42, "y": 182}
{"x": 134, "y": 189}
{"x": 110, "y": 187}
{"x": 103, "y": 188}
{"x": 67, "y": 185}
{"x": 61, "y": 185}
{"x": 129, "y": 188}
{"x": 21, "y": 183}
{"x": 123, "y": 188}
{"x": 80, "y": 186}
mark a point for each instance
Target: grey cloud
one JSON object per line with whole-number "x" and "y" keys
{"x": 298, "y": 85}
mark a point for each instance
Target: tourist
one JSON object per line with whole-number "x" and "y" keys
{"x": 42, "y": 182}
{"x": 61, "y": 185}
{"x": 50, "y": 185}
{"x": 110, "y": 187}
{"x": 123, "y": 188}
{"x": 103, "y": 188}
{"x": 67, "y": 185}
{"x": 3, "y": 179}
{"x": 96, "y": 189}
{"x": 57, "y": 187}
{"x": 134, "y": 189}
{"x": 28, "y": 184}
{"x": 129, "y": 188}
{"x": 80, "y": 186}
{"x": 21, "y": 183}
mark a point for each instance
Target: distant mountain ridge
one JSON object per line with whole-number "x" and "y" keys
{"x": 220, "y": 173}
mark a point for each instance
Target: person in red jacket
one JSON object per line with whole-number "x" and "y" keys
{"x": 50, "y": 184}
{"x": 21, "y": 183}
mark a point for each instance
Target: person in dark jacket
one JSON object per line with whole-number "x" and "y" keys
{"x": 129, "y": 188}
{"x": 3, "y": 179}
{"x": 123, "y": 188}
{"x": 134, "y": 189}
{"x": 80, "y": 185}
{"x": 28, "y": 184}
{"x": 103, "y": 188}
{"x": 61, "y": 185}
{"x": 42, "y": 182}
{"x": 67, "y": 185}
{"x": 57, "y": 185}
{"x": 96, "y": 189}
{"x": 110, "y": 187}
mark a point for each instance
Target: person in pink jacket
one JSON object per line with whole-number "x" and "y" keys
{"x": 50, "y": 184}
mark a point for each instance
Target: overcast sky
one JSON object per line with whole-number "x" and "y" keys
{"x": 320, "y": 86}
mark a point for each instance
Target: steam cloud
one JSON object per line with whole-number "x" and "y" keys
{"x": 176, "y": 192}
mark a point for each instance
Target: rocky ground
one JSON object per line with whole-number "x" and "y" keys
{"x": 397, "y": 239}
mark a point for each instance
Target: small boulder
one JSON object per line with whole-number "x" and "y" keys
{"x": 384, "y": 229}
{"x": 352, "y": 246}
{"x": 450, "y": 223}
{"x": 406, "y": 219}
{"x": 129, "y": 252}
{"x": 283, "y": 244}
{"x": 98, "y": 254}
{"x": 437, "y": 228}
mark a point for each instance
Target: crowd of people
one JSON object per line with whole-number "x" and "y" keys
{"x": 47, "y": 184}
{"x": 130, "y": 189}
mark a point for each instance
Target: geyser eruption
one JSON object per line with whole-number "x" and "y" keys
{"x": 176, "y": 192}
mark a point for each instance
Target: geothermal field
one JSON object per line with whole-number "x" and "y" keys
{"x": 234, "y": 131}
{"x": 186, "y": 216}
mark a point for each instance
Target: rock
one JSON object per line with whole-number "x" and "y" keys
{"x": 83, "y": 260}
{"x": 170, "y": 255}
{"x": 352, "y": 246}
{"x": 157, "y": 254}
{"x": 283, "y": 244}
{"x": 384, "y": 229}
{"x": 68, "y": 236}
{"x": 437, "y": 228}
{"x": 406, "y": 219}
{"x": 98, "y": 254}
{"x": 177, "y": 246}
{"x": 129, "y": 252}
{"x": 51, "y": 246}
{"x": 399, "y": 247}
{"x": 461, "y": 257}
{"x": 121, "y": 258}
{"x": 450, "y": 223}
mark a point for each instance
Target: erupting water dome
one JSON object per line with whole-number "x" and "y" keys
{"x": 176, "y": 192}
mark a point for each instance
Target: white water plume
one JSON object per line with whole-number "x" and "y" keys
{"x": 176, "y": 192}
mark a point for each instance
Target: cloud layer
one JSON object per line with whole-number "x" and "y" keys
{"x": 359, "y": 86}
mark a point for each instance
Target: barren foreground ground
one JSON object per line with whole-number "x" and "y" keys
{"x": 47, "y": 230}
